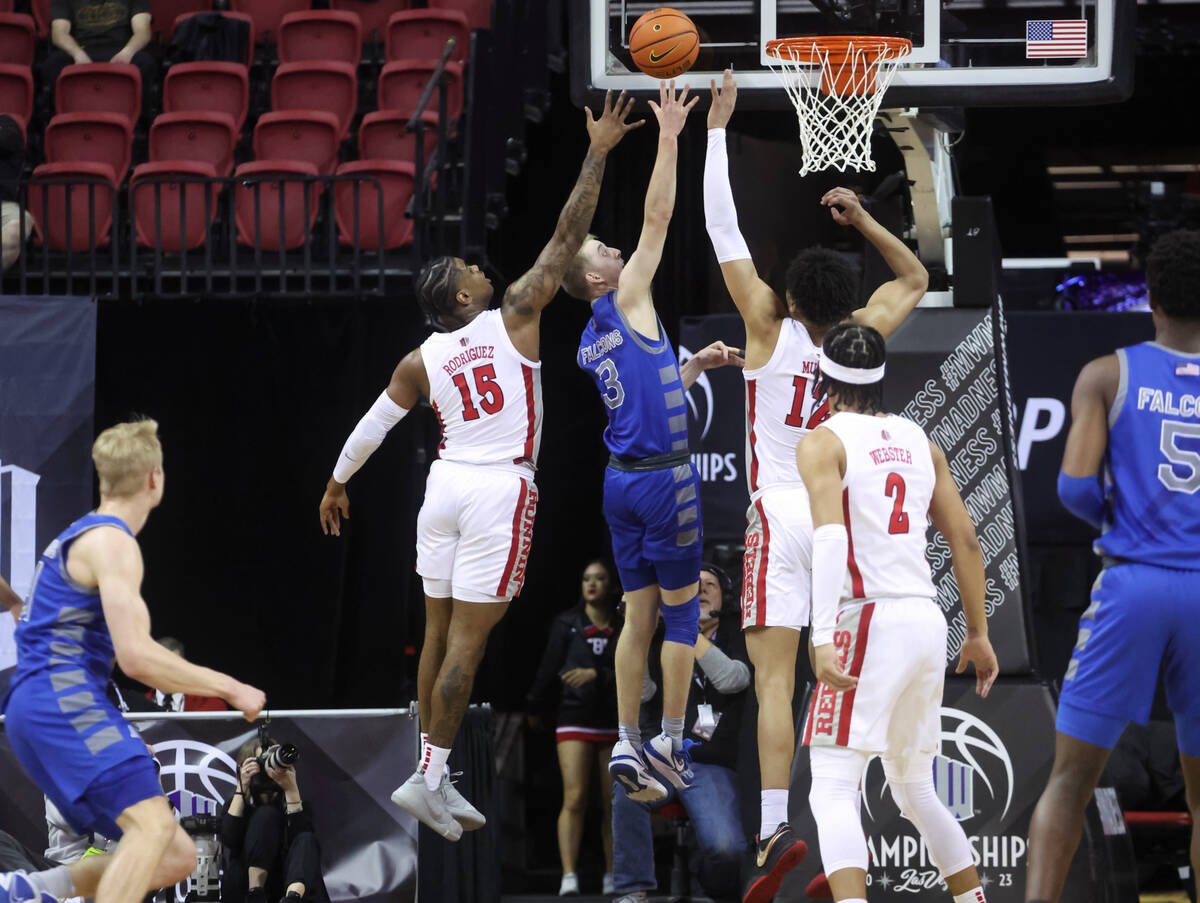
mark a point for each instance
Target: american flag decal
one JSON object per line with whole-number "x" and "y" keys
{"x": 1188, "y": 369}
{"x": 1056, "y": 38}
{"x": 464, "y": 341}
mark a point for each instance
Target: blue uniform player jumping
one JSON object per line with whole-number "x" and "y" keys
{"x": 1131, "y": 468}
{"x": 84, "y": 612}
{"x": 651, "y": 500}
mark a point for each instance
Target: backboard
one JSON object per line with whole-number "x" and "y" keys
{"x": 965, "y": 52}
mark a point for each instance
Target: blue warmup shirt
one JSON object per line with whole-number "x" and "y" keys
{"x": 1152, "y": 467}
{"x": 639, "y": 382}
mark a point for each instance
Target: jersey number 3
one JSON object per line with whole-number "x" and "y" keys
{"x": 612, "y": 392}
{"x": 491, "y": 398}
{"x": 898, "y": 522}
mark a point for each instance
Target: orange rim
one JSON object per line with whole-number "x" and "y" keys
{"x": 837, "y": 46}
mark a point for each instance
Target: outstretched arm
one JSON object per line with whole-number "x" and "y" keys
{"x": 671, "y": 111}
{"x": 10, "y": 600}
{"x": 718, "y": 354}
{"x": 894, "y": 300}
{"x": 1079, "y": 485}
{"x": 759, "y": 306}
{"x": 408, "y": 383}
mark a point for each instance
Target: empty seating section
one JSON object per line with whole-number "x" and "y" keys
{"x": 18, "y": 39}
{"x": 384, "y": 135}
{"x": 317, "y": 85}
{"x": 77, "y": 216}
{"x": 402, "y": 82}
{"x": 395, "y": 188}
{"x": 91, "y": 137}
{"x": 325, "y": 34}
{"x": 208, "y": 87}
{"x": 268, "y": 14}
{"x": 196, "y": 136}
{"x": 16, "y": 92}
{"x": 479, "y": 12}
{"x": 421, "y": 34}
{"x": 309, "y": 135}
{"x": 184, "y": 213}
{"x": 279, "y": 208}
{"x": 373, "y": 14}
{"x": 100, "y": 88}
{"x": 241, "y": 17}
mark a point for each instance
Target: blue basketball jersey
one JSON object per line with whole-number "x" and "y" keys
{"x": 1152, "y": 467}
{"x": 639, "y": 382}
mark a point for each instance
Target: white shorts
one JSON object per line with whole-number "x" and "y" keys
{"x": 897, "y": 650}
{"x": 474, "y": 532}
{"x": 777, "y": 565}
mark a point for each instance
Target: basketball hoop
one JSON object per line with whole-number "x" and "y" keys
{"x": 836, "y": 116}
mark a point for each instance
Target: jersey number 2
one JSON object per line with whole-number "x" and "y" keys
{"x": 898, "y": 522}
{"x": 491, "y": 398}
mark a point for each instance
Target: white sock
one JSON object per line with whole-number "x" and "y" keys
{"x": 971, "y": 896}
{"x": 855, "y": 900}
{"x": 774, "y": 812}
{"x": 433, "y": 764}
{"x": 425, "y": 743}
{"x": 56, "y": 882}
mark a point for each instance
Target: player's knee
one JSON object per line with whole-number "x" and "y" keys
{"x": 575, "y": 800}
{"x": 179, "y": 861}
{"x": 681, "y": 623}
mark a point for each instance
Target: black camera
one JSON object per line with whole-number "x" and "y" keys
{"x": 275, "y": 756}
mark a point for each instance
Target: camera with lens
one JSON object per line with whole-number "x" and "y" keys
{"x": 273, "y": 755}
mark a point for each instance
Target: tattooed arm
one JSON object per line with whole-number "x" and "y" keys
{"x": 525, "y": 298}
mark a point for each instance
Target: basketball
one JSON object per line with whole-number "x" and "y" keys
{"x": 664, "y": 43}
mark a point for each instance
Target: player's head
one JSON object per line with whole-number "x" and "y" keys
{"x": 852, "y": 361}
{"x": 128, "y": 459}
{"x": 596, "y": 585}
{"x": 1173, "y": 275}
{"x": 595, "y": 270}
{"x": 822, "y": 287}
{"x": 451, "y": 291}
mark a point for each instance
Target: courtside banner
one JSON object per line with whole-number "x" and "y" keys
{"x": 47, "y": 379}
{"x": 944, "y": 373}
{"x": 347, "y": 768}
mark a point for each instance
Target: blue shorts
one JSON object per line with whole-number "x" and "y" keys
{"x": 654, "y": 519}
{"x": 1142, "y": 616}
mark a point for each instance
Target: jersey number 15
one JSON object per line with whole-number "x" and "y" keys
{"x": 491, "y": 398}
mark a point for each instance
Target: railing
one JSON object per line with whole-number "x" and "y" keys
{"x": 426, "y": 228}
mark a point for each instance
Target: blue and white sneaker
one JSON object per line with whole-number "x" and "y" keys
{"x": 15, "y": 887}
{"x": 676, "y": 767}
{"x": 628, "y": 769}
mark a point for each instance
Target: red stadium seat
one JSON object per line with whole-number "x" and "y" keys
{"x": 479, "y": 12}
{"x": 269, "y": 13}
{"x": 208, "y": 87}
{"x": 396, "y": 180}
{"x": 18, "y": 38}
{"x": 196, "y": 136}
{"x": 402, "y": 82}
{"x": 6, "y": 6}
{"x": 163, "y": 13}
{"x": 100, "y": 88}
{"x": 383, "y": 135}
{"x": 186, "y": 199}
{"x": 420, "y": 34}
{"x": 309, "y": 135}
{"x": 16, "y": 92}
{"x": 48, "y": 205}
{"x": 320, "y": 34}
{"x": 328, "y": 86}
{"x": 249, "y": 20}
{"x": 373, "y": 14}
{"x": 292, "y": 222}
{"x": 41, "y": 16}
{"x": 91, "y": 137}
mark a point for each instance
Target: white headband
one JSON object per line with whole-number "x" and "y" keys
{"x": 854, "y": 375}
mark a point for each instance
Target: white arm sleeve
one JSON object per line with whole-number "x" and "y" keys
{"x": 830, "y": 545}
{"x": 367, "y": 436}
{"x": 720, "y": 215}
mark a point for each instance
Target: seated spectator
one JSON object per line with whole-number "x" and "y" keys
{"x": 577, "y": 672}
{"x": 179, "y": 702}
{"x": 721, "y": 676}
{"x": 12, "y": 164}
{"x": 100, "y": 31}
{"x": 268, "y": 838}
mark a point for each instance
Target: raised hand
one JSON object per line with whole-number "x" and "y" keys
{"x": 718, "y": 354}
{"x": 670, "y": 110}
{"x": 845, "y": 206}
{"x": 978, "y": 650}
{"x": 607, "y": 131}
{"x": 248, "y": 700}
{"x": 723, "y": 101}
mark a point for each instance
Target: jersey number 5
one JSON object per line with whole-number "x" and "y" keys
{"x": 803, "y": 402}
{"x": 1179, "y": 457}
{"x": 491, "y": 398}
{"x": 898, "y": 522}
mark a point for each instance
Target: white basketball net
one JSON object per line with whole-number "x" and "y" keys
{"x": 835, "y": 125}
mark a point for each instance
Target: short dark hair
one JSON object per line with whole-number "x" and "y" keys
{"x": 822, "y": 286}
{"x": 437, "y": 285}
{"x": 861, "y": 347}
{"x": 1173, "y": 274}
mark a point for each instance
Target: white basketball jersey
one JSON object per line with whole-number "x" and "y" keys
{"x": 885, "y": 498}
{"x": 782, "y": 407}
{"x": 488, "y": 398}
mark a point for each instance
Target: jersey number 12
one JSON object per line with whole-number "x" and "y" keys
{"x": 491, "y": 398}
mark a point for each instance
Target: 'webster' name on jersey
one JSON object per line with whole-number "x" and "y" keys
{"x": 601, "y": 346}
{"x": 891, "y": 453}
{"x": 472, "y": 354}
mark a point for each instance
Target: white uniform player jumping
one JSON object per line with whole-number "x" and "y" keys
{"x": 784, "y": 403}
{"x": 474, "y": 530}
{"x": 879, "y": 638}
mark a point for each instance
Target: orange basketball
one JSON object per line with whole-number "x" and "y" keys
{"x": 664, "y": 43}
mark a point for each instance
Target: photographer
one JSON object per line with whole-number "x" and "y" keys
{"x": 267, "y": 833}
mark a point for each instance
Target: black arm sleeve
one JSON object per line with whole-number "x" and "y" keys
{"x": 544, "y": 691}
